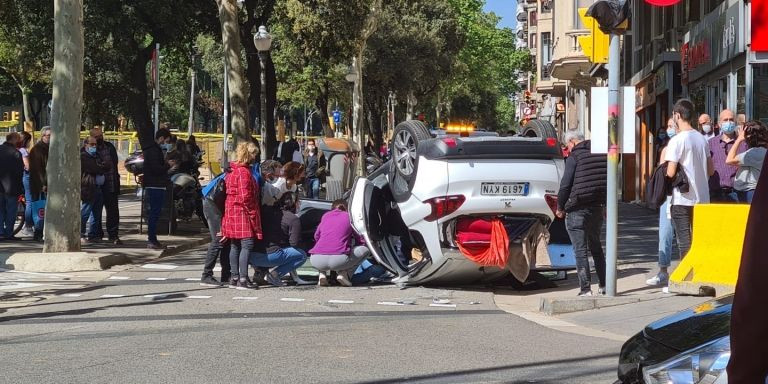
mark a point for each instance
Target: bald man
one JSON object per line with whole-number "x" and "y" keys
{"x": 110, "y": 191}
{"x": 721, "y": 183}
{"x": 705, "y": 125}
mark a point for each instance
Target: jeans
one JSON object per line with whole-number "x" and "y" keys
{"x": 745, "y": 196}
{"x": 720, "y": 195}
{"x": 313, "y": 188}
{"x": 28, "y": 220}
{"x": 584, "y": 230}
{"x": 286, "y": 260}
{"x": 8, "y": 207}
{"x": 156, "y": 199}
{"x": 239, "y": 251}
{"x": 666, "y": 236}
{"x": 340, "y": 262}
{"x": 216, "y": 250}
{"x": 682, "y": 218}
{"x": 86, "y": 209}
{"x": 365, "y": 271}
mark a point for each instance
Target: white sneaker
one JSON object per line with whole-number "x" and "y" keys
{"x": 322, "y": 279}
{"x": 658, "y": 280}
{"x": 343, "y": 278}
{"x": 299, "y": 280}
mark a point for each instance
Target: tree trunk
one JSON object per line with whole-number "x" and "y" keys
{"x": 322, "y": 109}
{"x": 62, "y": 219}
{"x": 412, "y": 102}
{"x": 238, "y": 96}
{"x": 138, "y": 105}
{"x": 25, "y": 103}
{"x": 271, "y": 139}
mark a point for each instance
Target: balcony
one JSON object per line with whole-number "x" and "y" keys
{"x": 573, "y": 64}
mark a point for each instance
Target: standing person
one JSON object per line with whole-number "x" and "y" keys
{"x": 315, "y": 163}
{"x": 755, "y": 134}
{"x": 194, "y": 149}
{"x": 92, "y": 179}
{"x": 155, "y": 182}
{"x": 11, "y": 183}
{"x": 291, "y": 175}
{"x": 38, "y": 176}
{"x": 666, "y": 229}
{"x": 218, "y": 249}
{"x": 705, "y": 123}
{"x": 687, "y": 152}
{"x": 333, "y": 249}
{"x": 281, "y": 249}
{"x": 110, "y": 190}
{"x": 721, "y": 182}
{"x": 24, "y": 147}
{"x": 581, "y": 200}
{"x": 242, "y": 215}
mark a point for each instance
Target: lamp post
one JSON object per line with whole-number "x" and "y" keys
{"x": 191, "y": 122}
{"x": 351, "y": 78}
{"x": 263, "y": 41}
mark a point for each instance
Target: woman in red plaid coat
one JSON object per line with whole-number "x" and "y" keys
{"x": 241, "y": 223}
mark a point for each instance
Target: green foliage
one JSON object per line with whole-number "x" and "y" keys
{"x": 26, "y": 43}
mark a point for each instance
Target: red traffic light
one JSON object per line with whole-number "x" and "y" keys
{"x": 662, "y": 3}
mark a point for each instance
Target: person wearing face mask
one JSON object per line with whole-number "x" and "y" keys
{"x": 721, "y": 183}
{"x": 92, "y": 179}
{"x": 687, "y": 151}
{"x": 38, "y": 176}
{"x": 314, "y": 162}
{"x": 155, "y": 181}
{"x": 666, "y": 229}
{"x": 110, "y": 189}
{"x": 750, "y": 163}
{"x": 705, "y": 123}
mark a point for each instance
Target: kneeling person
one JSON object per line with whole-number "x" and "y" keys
{"x": 282, "y": 232}
{"x": 333, "y": 249}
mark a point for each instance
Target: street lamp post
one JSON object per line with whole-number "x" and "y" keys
{"x": 263, "y": 41}
{"x": 351, "y": 78}
{"x": 191, "y": 122}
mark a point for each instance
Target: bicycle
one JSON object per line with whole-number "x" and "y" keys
{"x": 20, "y": 215}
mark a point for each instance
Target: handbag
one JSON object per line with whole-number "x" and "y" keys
{"x": 38, "y": 210}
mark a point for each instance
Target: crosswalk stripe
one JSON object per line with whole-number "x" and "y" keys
{"x": 199, "y": 297}
{"x": 111, "y": 296}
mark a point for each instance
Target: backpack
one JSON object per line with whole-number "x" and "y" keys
{"x": 658, "y": 187}
{"x": 217, "y": 192}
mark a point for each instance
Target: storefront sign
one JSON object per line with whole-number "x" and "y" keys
{"x": 759, "y": 26}
{"x": 718, "y": 38}
{"x": 645, "y": 93}
{"x": 661, "y": 80}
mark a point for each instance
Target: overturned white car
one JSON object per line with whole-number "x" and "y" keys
{"x": 458, "y": 200}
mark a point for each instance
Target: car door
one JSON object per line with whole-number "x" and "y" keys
{"x": 366, "y": 212}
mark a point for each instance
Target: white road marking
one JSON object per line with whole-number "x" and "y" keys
{"x": 19, "y": 286}
{"x": 443, "y": 305}
{"x": 156, "y": 296}
{"x": 389, "y": 303}
{"x": 341, "y": 301}
{"x": 292, "y": 299}
{"x": 159, "y": 266}
{"x": 119, "y": 278}
{"x": 71, "y": 295}
{"x": 49, "y": 275}
{"x": 244, "y": 298}
{"x": 157, "y": 278}
{"x": 199, "y": 297}
{"x": 192, "y": 279}
{"x": 111, "y": 296}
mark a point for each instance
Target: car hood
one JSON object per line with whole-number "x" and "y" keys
{"x": 694, "y": 326}
{"x": 670, "y": 336}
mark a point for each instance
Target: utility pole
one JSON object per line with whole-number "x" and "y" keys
{"x": 191, "y": 122}
{"x": 156, "y": 74}
{"x": 612, "y": 203}
{"x": 225, "y": 128}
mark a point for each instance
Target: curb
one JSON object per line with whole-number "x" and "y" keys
{"x": 559, "y": 306}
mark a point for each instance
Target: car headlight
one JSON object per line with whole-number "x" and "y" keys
{"x": 703, "y": 365}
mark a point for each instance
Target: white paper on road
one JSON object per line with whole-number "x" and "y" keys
{"x": 159, "y": 266}
{"x": 292, "y": 299}
{"x": 111, "y": 296}
{"x": 341, "y": 301}
{"x": 443, "y": 305}
{"x": 199, "y": 297}
{"x": 71, "y": 295}
{"x": 119, "y": 278}
{"x": 19, "y": 286}
{"x": 244, "y": 298}
{"x": 157, "y": 278}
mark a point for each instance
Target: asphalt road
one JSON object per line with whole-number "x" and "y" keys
{"x": 160, "y": 326}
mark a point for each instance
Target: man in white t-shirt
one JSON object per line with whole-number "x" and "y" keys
{"x": 688, "y": 151}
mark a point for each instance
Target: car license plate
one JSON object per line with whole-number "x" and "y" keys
{"x": 504, "y": 189}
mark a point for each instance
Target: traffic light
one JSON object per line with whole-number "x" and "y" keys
{"x": 611, "y": 15}
{"x": 15, "y": 116}
{"x": 6, "y": 116}
{"x": 528, "y": 97}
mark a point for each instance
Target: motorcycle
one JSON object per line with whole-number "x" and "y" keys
{"x": 187, "y": 191}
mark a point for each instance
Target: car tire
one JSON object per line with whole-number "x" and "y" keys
{"x": 539, "y": 128}
{"x": 404, "y": 163}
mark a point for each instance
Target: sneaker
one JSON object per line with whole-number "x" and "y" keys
{"x": 660, "y": 279}
{"x": 601, "y": 291}
{"x": 209, "y": 281}
{"x": 299, "y": 280}
{"x": 244, "y": 284}
{"x": 322, "y": 280}
{"x": 259, "y": 277}
{"x": 233, "y": 282}
{"x": 155, "y": 245}
{"x": 27, "y": 232}
{"x": 116, "y": 241}
{"x": 585, "y": 293}
{"x": 273, "y": 279}
{"x": 342, "y": 277}
{"x": 84, "y": 241}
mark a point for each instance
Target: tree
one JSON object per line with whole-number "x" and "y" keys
{"x": 62, "y": 211}
{"x": 238, "y": 91}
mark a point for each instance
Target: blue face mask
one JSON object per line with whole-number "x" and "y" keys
{"x": 662, "y": 135}
{"x": 728, "y": 127}
{"x": 166, "y": 146}
{"x": 671, "y": 132}
{"x": 91, "y": 150}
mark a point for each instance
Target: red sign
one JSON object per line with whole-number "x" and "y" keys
{"x": 759, "y": 27}
{"x": 662, "y": 3}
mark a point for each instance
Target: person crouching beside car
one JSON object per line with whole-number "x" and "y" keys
{"x": 93, "y": 167}
{"x": 333, "y": 249}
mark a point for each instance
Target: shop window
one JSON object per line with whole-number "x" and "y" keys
{"x": 546, "y": 54}
{"x": 741, "y": 91}
{"x": 760, "y": 92}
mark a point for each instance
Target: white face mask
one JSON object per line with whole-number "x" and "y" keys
{"x": 707, "y": 128}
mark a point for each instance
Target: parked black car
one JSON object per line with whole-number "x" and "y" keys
{"x": 692, "y": 346}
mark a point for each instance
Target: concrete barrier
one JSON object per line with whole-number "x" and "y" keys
{"x": 64, "y": 261}
{"x": 713, "y": 260}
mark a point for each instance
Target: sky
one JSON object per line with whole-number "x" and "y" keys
{"x": 505, "y": 9}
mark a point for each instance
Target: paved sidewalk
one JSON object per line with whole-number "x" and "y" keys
{"x": 21, "y": 288}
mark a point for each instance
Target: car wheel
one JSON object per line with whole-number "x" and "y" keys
{"x": 539, "y": 128}
{"x": 404, "y": 163}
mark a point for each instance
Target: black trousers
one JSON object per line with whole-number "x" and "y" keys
{"x": 216, "y": 250}
{"x": 682, "y": 219}
{"x": 583, "y": 227}
{"x": 113, "y": 215}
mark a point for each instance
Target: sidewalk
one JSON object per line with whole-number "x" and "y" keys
{"x": 20, "y": 288}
